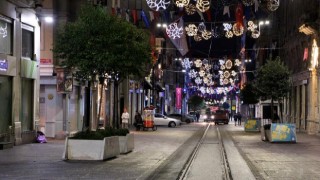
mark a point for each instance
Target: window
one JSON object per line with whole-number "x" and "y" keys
{"x": 5, "y": 35}
{"x": 27, "y": 41}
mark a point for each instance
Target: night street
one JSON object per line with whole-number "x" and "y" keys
{"x": 162, "y": 154}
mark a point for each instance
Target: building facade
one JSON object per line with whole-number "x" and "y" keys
{"x": 19, "y": 71}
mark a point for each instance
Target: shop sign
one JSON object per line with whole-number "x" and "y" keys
{"x": 3, "y": 65}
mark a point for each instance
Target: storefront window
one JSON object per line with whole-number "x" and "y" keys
{"x": 5, "y": 35}
{"x": 27, "y": 42}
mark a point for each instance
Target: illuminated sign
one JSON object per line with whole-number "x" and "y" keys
{"x": 3, "y": 65}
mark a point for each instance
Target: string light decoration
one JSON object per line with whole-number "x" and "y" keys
{"x": 273, "y": 5}
{"x": 158, "y": 5}
{"x": 182, "y": 3}
{"x": 173, "y": 31}
{"x": 228, "y": 64}
{"x": 193, "y": 73}
{"x": 197, "y": 38}
{"x": 203, "y": 5}
{"x": 237, "y": 29}
{"x": 206, "y": 35}
{"x": 227, "y": 27}
{"x": 248, "y": 2}
{"x": 186, "y": 63}
{"x": 251, "y": 26}
{"x": 198, "y": 63}
{"x": 190, "y": 9}
{"x": 237, "y": 62}
{"x": 191, "y": 30}
{"x": 255, "y": 34}
{"x": 229, "y": 34}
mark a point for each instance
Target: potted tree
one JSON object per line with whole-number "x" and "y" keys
{"x": 273, "y": 83}
{"x": 99, "y": 46}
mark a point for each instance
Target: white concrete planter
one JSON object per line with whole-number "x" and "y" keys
{"x": 126, "y": 143}
{"x": 83, "y": 149}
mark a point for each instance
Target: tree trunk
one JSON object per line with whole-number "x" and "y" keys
{"x": 86, "y": 121}
{"x": 281, "y": 117}
{"x": 272, "y": 110}
{"x": 116, "y": 121}
{"x": 100, "y": 103}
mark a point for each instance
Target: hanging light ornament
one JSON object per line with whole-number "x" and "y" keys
{"x": 205, "y": 80}
{"x": 198, "y": 80}
{"x": 237, "y": 62}
{"x": 186, "y": 63}
{"x": 190, "y": 9}
{"x": 206, "y": 34}
{"x": 237, "y": 29}
{"x": 205, "y": 61}
{"x": 198, "y": 63}
{"x": 229, "y": 64}
{"x": 225, "y": 81}
{"x": 251, "y": 26}
{"x": 255, "y": 34}
{"x": 182, "y": 3}
{"x": 227, "y": 26}
{"x": 207, "y": 67}
{"x": 203, "y": 5}
{"x": 202, "y": 27}
{"x": 202, "y": 73}
{"x": 226, "y": 74}
{"x": 191, "y": 30}
{"x": 215, "y": 32}
{"x": 248, "y": 2}
{"x": 193, "y": 73}
{"x": 197, "y": 38}
{"x": 173, "y": 31}
{"x": 202, "y": 90}
{"x": 233, "y": 73}
{"x": 273, "y": 5}
{"x": 158, "y": 5}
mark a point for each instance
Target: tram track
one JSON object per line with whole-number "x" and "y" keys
{"x": 226, "y": 174}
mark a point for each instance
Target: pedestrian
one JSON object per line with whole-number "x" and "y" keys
{"x": 197, "y": 116}
{"x": 125, "y": 118}
{"x": 239, "y": 116}
{"x": 235, "y": 118}
{"x": 138, "y": 121}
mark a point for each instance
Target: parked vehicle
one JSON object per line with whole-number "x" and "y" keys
{"x": 184, "y": 118}
{"x": 220, "y": 116}
{"x": 162, "y": 120}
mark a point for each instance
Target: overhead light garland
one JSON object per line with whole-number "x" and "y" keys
{"x": 158, "y": 5}
{"x": 173, "y": 31}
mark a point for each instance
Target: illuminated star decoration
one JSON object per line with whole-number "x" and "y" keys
{"x": 158, "y": 5}
{"x": 173, "y": 31}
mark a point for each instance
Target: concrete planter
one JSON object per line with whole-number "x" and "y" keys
{"x": 83, "y": 149}
{"x": 126, "y": 143}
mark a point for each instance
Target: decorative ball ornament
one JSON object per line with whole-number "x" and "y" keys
{"x": 197, "y": 38}
{"x": 206, "y": 34}
{"x": 190, "y": 9}
{"x": 158, "y": 5}
{"x": 182, "y": 3}
{"x": 173, "y": 31}
{"x": 237, "y": 29}
{"x": 273, "y": 5}
{"x": 255, "y": 34}
{"x": 248, "y": 2}
{"x": 191, "y": 30}
{"x": 228, "y": 64}
{"x": 203, "y": 5}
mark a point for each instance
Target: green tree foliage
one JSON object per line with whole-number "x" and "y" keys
{"x": 249, "y": 94}
{"x": 99, "y": 43}
{"x": 273, "y": 81}
{"x": 196, "y": 102}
